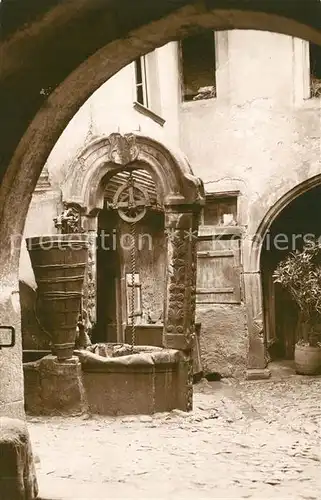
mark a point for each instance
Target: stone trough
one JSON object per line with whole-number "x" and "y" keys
{"x": 108, "y": 379}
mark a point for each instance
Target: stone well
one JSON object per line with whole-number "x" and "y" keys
{"x": 108, "y": 379}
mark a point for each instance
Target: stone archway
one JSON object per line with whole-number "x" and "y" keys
{"x": 180, "y": 194}
{"x": 40, "y": 97}
{"x": 253, "y": 278}
{"x": 172, "y": 173}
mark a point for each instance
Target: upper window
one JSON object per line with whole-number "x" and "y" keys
{"x": 147, "y": 85}
{"x": 141, "y": 81}
{"x": 315, "y": 70}
{"x": 198, "y": 66}
{"x": 220, "y": 210}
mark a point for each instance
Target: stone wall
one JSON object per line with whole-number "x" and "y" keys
{"x": 224, "y": 340}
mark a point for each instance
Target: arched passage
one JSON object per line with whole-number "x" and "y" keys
{"x": 39, "y": 96}
{"x": 274, "y": 213}
{"x": 292, "y": 227}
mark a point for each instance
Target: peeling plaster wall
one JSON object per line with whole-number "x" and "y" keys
{"x": 259, "y": 137}
{"x": 260, "y": 148}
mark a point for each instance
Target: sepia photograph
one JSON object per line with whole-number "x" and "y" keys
{"x": 160, "y": 249}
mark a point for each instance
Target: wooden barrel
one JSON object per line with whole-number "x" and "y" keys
{"x": 59, "y": 264}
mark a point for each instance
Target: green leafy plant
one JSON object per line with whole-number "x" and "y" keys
{"x": 300, "y": 275}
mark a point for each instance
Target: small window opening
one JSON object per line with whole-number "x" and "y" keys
{"x": 141, "y": 81}
{"x": 198, "y": 66}
{"x": 220, "y": 211}
{"x": 315, "y": 70}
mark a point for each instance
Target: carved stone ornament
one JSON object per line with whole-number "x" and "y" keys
{"x": 90, "y": 289}
{"x": 181, "y": 282}
{"x": 123, "y": 148}
{"x": 258, "y": 325}
{"x": 69, "y": 221}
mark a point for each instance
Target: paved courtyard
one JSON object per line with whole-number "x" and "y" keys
{"x": 257, "y": 440}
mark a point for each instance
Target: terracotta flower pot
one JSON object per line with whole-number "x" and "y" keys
{"x": 59, "y": 264}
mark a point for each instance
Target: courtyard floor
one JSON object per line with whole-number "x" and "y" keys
{"x": 257, "y": 440}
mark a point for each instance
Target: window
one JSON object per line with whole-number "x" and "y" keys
{"x": 315, "y": 70}
{"x": 141, "y": 81}
{"x": 198, "y": 66}
{"x": 220, "y": 210}
{"x": 147, "y": 84}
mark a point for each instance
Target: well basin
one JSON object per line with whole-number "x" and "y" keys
{"x": 119, "y": 381}
{"x": 109, "y": 379}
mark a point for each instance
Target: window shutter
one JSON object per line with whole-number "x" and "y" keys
{"x": 218, "y": 271}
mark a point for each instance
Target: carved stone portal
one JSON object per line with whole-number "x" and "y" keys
{"x": 181, "y": 195}
{"x": 82, "y": 184}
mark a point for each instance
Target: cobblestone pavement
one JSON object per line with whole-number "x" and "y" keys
{"x": 257, "y": 440}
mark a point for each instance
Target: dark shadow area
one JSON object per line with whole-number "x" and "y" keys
{"x": 297, "y": 224}
{"x": 213, "y": 377}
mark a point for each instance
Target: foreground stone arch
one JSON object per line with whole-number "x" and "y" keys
{"x": 39, "y": 97}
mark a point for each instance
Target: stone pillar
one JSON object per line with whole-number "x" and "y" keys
{"x": 89, "y": 225}
{"x": 18, "y": 476}
{"x": 11, "y": 374}
{"x": 257, "y": 361}
{"x": 181, "y": 226}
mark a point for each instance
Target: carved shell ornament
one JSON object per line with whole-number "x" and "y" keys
{"x": 123, "y": 148}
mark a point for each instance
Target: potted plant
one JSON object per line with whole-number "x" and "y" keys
{"x": 300, "y": 274}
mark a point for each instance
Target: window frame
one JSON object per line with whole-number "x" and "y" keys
{"x": 143, "y": 83}
{"x": 216, "y": 197}
{"x": 181, "y": 71}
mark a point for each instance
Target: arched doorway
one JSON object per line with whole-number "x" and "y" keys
{"x": 40, "y": 96}
{"x": 90, "y": 183}
{"x": 294, "y": 226}
{"x": 114, "y": 265}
